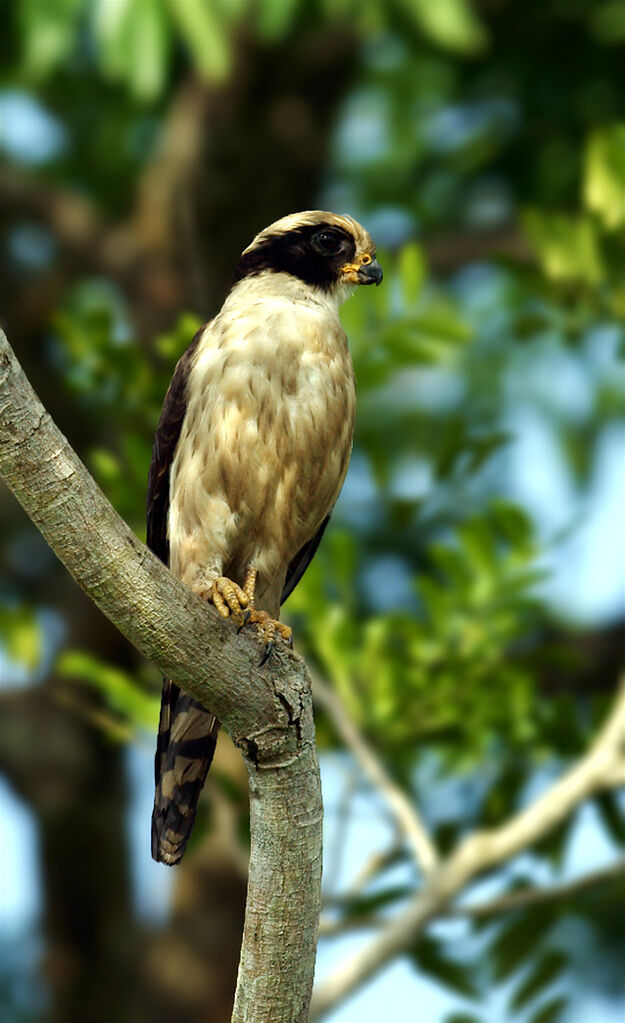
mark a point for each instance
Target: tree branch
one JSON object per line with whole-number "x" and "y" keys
{"x": 537, "y": 896}
{"x": 480, "y": 852}
{"x": 507, "y": 903}
{"x": 404, "y": 812}
{"x": 447, "y": 253}
{"x": 267, "y": 711}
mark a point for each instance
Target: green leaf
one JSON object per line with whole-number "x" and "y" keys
{"x": 21, "y": 636}
{"x": 567, "y": 247}
{"x": 148, "y": 45}
{"x": 555, "y": 844}
{"x": 551, "y": 1011}
{"x": 517, "y": 941}
{"x": 480, "y": 449}
{"x": 429, "y": 957}
{"x": 411, "y": 268}
{"x": 607, "y": 22}
{"x": 604, "y": 175}
{"x": 48, "y": 31}
{"x": 512, "y": 521}
{"x": 451, "y": 24}
{"x": 121, "y": 691}
{"x": 365, "y": 905}
{"x": 275, "y": 17}
{"x": 612, "y": 816}
{"x": 133, "y": 41}
{"x": 542, "y": 973}
{"x": 105, "y": 466}
{"x": 203, "y": 29}
{"x": 441, "y": 322}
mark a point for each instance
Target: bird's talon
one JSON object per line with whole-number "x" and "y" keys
{"x": 266, "y": 653}
{"x": 244, "y": 619}
{"x": 228, "y": 598}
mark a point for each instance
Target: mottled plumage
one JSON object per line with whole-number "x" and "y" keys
{"x": 249, "y": 457}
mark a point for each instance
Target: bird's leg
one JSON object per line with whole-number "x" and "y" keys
{"x": 268, "y": 626}
{"x": 249, "y": 584}
{"x": 230, "y": 600}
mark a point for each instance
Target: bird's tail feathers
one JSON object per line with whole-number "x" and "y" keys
{"x": 187, "y": 736}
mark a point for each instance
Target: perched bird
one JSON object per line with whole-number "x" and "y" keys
{"x": 250, "y": 454}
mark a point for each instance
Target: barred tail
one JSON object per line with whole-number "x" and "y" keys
{"x": 187, "y": 736}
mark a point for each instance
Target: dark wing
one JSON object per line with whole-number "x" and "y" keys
{"x": 301, "y": 561}
{"x": 163, "y": 450}
{"x": 187, "y": 732}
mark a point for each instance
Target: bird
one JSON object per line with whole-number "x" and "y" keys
{"x": 250, "y": 454}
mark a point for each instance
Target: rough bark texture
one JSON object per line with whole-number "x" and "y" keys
{"x": 285, "y": 815}
{"x": 267, "y": 711}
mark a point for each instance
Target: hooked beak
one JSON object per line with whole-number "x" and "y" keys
{"x": 365, "y": 271}
{"x": 370, "y": 273}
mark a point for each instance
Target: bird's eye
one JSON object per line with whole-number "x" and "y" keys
{"x": 328, "y": 242}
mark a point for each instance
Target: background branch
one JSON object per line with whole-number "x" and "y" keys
{"x": 536, "y": 896}
{"x": 480, "y": 852}
{"x": 404, "y": 812}
{"x": 507, "y": 903}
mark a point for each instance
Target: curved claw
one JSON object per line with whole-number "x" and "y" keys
{"x": 266, "y": 653}
{"x": 245, "y": 618}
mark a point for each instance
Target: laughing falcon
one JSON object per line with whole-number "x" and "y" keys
{"x": 250, "y": 454}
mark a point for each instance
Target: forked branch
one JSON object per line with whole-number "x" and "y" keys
{"x": 267, "y": 711}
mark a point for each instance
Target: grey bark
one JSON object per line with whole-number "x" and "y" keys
{"x": 267, "y": 711}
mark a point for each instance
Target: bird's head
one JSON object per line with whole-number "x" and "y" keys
{"x": 325, "y": 250}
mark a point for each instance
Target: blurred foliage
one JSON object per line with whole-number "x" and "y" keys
{"x": 463, "y": 124}
{"x": 474, "y": 606}
{"x": 20, "y": 635}
{"x": 90, "y": 338}
{"x": 133, "y": 704}
{"x": 135, "y": 41}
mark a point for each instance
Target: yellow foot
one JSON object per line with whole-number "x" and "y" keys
{"x": 230, "y": 600}
{"x": 269, "y": 628}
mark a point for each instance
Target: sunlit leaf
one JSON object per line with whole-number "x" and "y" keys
{"x": 120, "y": 690}
{"x": 203, "y": 29}
{"x": 567, "y": 247}
{"x": 21, "y": 636}
{"x": 133, "y": 38}
{"x": 604, "y": 178}
{"x": 48, "y": 30}
{"x": 452, "y": 24}
{"x": 411, "y": 267}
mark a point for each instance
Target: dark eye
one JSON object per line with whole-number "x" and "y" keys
{"x": 328, "y": 242}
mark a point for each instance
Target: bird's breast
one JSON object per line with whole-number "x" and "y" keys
{"x": 268, "y": 429}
